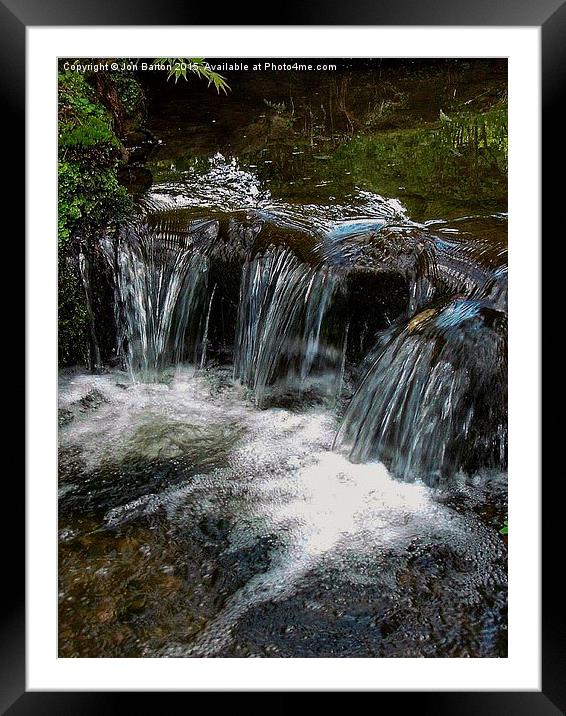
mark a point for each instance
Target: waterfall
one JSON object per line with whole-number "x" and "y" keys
{"x": 448, "y": 268}
{"x": 340, "y": 380}
{"x": 433, "y": 397}
{"x": 161, "y": 292}
{"x": 429, "y": 399}
{"x": 206, "y": 324}
{"x": 281, "y": 332}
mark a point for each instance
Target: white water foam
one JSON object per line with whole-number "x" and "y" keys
{"x": 281, "y": 479}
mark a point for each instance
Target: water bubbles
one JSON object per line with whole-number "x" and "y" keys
{"x": 282, "y": 530}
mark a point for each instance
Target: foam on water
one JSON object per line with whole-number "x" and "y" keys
{"x": 279, "y": 480}
{"x": 227, "y": 187}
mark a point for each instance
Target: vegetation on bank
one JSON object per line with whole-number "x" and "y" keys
{"x": 94, "y": 112}
{"x": 92, "y": 117}
{"x": 462, "y": 161}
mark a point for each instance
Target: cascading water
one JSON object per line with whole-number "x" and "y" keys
{"x": 282, "y": 327}
{"x": 431, "y": 379}
{"x": 358, "y": 512}
{"x": 276, "y": 544}
{"x": 445, "y": 268}
{"x": 433, "y": 398}
{"x": 160, "y": 298}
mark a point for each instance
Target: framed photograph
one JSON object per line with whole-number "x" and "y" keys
{"x": 283, "y": 354}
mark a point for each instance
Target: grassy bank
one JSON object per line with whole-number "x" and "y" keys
{"x": 460, "y": 164}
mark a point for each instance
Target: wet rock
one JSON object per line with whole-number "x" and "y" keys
{"x": 139, "y": 145}
{"x": 91, "y": 401}
{"x": 106, "y": 612}
{"x": 136, "y": 179}
{"x": 215, "y": 528}
{"x": 65, "y": 416}
{"x": 136, "y": 605}
{"x": 235, "y": 568}
{"x": 145, "y": 505}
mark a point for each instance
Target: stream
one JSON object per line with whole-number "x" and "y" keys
{"x": 299, "y": 449}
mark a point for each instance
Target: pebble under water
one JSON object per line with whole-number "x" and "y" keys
{"x": 194, "y": 524}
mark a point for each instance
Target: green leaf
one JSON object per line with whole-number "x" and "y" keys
{"x": 180, "y": 66}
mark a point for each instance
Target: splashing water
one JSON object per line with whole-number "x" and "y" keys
{"x": 286, "y": 523}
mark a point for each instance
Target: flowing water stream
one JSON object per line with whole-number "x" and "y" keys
{"x": 194, "y": 524}
{"x": 301, "y": 451}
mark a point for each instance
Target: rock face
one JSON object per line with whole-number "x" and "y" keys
{"x": 139, "y": 144}
{"x": 136, "y": 179}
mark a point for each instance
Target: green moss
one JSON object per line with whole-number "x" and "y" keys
{"x": 89, "y": 194}
{"x": 131, "y": 95}
{"x": 88, "y": 198}
{"x": 89, "y": 154}
{"x": 77, "y": 96}
{"x": 92, "y": 133}
{"x": 83, "y": 120}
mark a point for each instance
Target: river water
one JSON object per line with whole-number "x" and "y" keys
{"x": 301, "y": 448}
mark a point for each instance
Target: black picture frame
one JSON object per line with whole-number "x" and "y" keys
{"x": 550, "y": 15}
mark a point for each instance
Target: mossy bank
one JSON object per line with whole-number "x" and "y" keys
{"x": 96, "y": 113}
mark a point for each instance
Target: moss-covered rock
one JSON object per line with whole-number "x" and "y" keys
{"x": 95, "y": 112}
